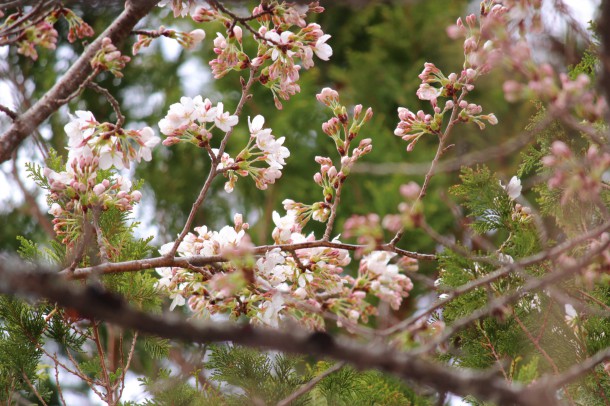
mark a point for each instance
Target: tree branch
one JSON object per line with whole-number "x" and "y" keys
{"x": 27, "y": 122}
{"x": 200, "y": 260}
{"x": 19, "y": 278}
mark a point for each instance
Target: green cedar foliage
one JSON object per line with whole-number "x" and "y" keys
{"x": 239, "y": 376}
{"x": 26, "y": 327}
{"x": 534, "y": 336}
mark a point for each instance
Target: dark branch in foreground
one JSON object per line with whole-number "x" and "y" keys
{"x": 33, "y": 282}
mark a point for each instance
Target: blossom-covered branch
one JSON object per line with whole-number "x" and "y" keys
{"x": 27, "y": 122}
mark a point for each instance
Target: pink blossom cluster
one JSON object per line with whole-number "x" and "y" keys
{"x": 188, "y": 40}
{"x": 112, "y": 146}
{"x": 81, "y": 187}
{"x": 499, "y": 38}
{"x": 109, "y": 58}
{"x": 181, "y": 283}
{"x": 384, "y": 279}
{"x": 564, "y": 94}
{"x": 412, "y": 126}
{"x": 238, "y": 288}
{"x": 580, "y": 178}
{"x": 366, "y": 229}
{"x": 188, "y": 121}
{"x": 286, "y": 43}
{"x": 279, "y": 285}
{"x": 77, "y": 28}
{"x": 42, "y": 33}
{"x": 39, "y": 35}
{"x": 262, "y": 147}
{"x": 480, "y": 51}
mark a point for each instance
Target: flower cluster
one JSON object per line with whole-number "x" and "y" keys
{"x": 579, "y": 178}
{"x": 384, "y": 279}
{"x": 113, "y": 146}
{"x": 188, "y": 120}
{"x": 262, "y": 147}
{"x": 77, "y": 28}
{"x": 109, "y": 58}
{"x": 39, "y": 35}
{"x": 29, "y": 34}
{"x": 564, "y": 93}
{"x": 495, "y": 41}
{"x": 280, "y": 284}
{"x": 303, "y": 283}
{"x": 187, "y": 39}
{"x": 286, "y": 44}
{"x": 183, "y": 7}
{"x": 434, "y": 86}
{"x": 85, "y": 183}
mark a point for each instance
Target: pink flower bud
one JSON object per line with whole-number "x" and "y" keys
{"x": 471, "y": 20}
{"x": 197, "y": 35}
{"x": 410, "y": 190}
{"x": 136, "y": 195}
{"x": 99, "y": 189}
{"x": 560, "y": 149}
{"x": 258, "y": 61}
{"x": 238, "y": 32}
{"x": 328, "y": 96}
{"x": 357, "y": 111}
{"x": 318, "y": 178}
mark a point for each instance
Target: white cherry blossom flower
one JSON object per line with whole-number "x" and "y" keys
{"x": 55, "y": 210}
{"x": 150, "y": 140}
{"x": 178, "y": 300}
{"x": 514, "y": 188}
{"x": 224, "y": 120}
{"x": 322, "y": 49}
{"x": 110, "y": 157}
{"x": 269, "y": 311}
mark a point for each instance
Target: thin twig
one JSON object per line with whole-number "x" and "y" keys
{"x": 8, "y": 112}
{"x": 245, "y": 95}
{"x": 120, "y": 118}
{"x": 534, "y": 341}
{"x": 125, "y": 367}
{"x": 102, "y": 358}
{"x": 33, "y": 388}
{"x": 99, "y": 235}
{"x": 310, "y": 385}
{"x": 333, "y": 213}
{"x": 59, "y": 390}
{"x": 439, "y": 152}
